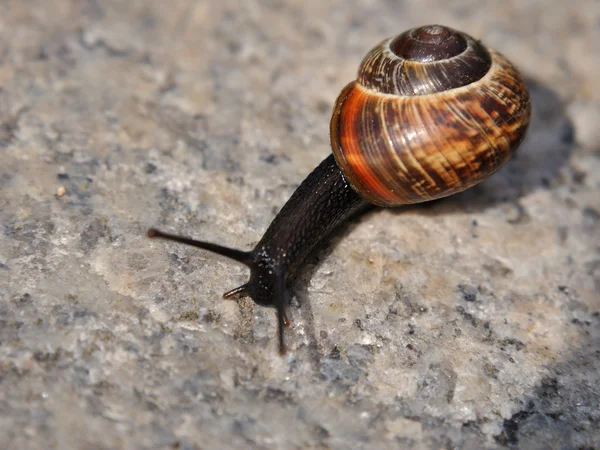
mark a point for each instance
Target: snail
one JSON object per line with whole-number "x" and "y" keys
{"x": 431, "y": 113}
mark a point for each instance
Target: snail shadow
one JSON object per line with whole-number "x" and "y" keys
{"x": 536, "y": 164}
{"x": 299, "y": 288}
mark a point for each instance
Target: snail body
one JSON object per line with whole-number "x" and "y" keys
{"x": 432, "y": 113}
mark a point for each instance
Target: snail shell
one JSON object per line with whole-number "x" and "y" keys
{"x": 432, "y": 113}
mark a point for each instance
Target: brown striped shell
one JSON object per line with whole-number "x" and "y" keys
{"x": 432, "y": 113}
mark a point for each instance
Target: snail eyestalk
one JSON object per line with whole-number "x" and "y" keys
{"x": 231, "y": 253}
{"x": 282, "y": 320}
{"x": 239, "y": 291}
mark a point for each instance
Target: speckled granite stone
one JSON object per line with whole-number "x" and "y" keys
{"x": 472, "y": 322}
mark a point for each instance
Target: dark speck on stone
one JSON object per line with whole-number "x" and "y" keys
{"x": 80, "y": 314}
{"x": 568, "y": 133}
{"x": 469, "y": 292}
{"x": 491, "y": 370}
{"x": 277, "y": 394}
{"x": 579, "y": 176}
{"x": 25, "y": 298}
{"x": 212, "y": 316}
{"x": 549, "y": 388}
{"x": 95, "y": 231}
{"x": 188, "y": 316}
{"x": 468, "y": 316}
{"x": 509, "y": 434}
{"x": 518, "y": 345}
{"x": 591, "y": 214}
{"x": 335, "y": 353}
{"x": 270, "y": 159}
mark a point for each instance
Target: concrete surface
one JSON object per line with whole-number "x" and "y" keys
{"x": 472, "y": 322}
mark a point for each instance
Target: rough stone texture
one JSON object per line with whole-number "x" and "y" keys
{"x": 471, "y": 322}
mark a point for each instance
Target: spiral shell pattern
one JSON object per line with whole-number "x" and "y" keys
{"x": 431, "y": 114}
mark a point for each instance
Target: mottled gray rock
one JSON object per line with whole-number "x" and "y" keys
{"x": 471, "y": 322}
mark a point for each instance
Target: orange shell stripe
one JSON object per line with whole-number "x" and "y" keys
{"x": 356, "y": 156}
